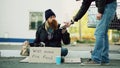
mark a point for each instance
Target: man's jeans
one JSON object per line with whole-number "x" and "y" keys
{"x": 101, "y": 49}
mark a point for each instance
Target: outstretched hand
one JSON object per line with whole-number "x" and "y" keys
{"x": 66, "y": 25}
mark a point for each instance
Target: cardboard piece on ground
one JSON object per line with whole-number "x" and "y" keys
{"x": 44, "y": 54}
{"x": 73, "y": 60}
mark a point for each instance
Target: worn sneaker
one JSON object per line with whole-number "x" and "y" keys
{"x": 90, "y": 62}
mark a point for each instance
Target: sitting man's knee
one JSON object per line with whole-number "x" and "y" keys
{"x": 64, "y": 51}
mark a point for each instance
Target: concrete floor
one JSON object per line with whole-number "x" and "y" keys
{"x": 13, "y": 62}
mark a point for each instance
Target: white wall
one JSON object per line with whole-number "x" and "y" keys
{"x": 14, "y": 15}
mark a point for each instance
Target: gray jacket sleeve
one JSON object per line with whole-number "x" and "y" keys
{"x": 101, "y": 5}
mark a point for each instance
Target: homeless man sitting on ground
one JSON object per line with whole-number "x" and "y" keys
{"x": 50, "y": 33}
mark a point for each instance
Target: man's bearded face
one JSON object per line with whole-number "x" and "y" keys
{"x": 53, "y": 24}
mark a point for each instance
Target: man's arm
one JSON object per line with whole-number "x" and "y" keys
{"x": 65, "y": 34}
{"x": 66, "y": 37}
{"x": 83, "y": 9}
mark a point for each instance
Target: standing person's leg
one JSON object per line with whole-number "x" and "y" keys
{"x": 101, "y": 46}
{"x": 100, "y": 38}
{"x": 105, "y": 51}
{"x": 96, "y": 54}
{"x": 111, "y": 9}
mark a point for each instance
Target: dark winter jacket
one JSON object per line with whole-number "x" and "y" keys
{"x": 42, "y": 36}
{"x": 100, "y": 4}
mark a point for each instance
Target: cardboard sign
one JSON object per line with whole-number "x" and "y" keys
{"x": 44, "y": 54}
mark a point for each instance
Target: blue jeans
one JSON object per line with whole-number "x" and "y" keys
{"x": 101, "y": 50}
{"x": 64, "y": 51}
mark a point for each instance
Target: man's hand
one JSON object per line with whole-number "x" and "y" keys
{"x": 66, "y": 25}
{"x": 98, "y": 16}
